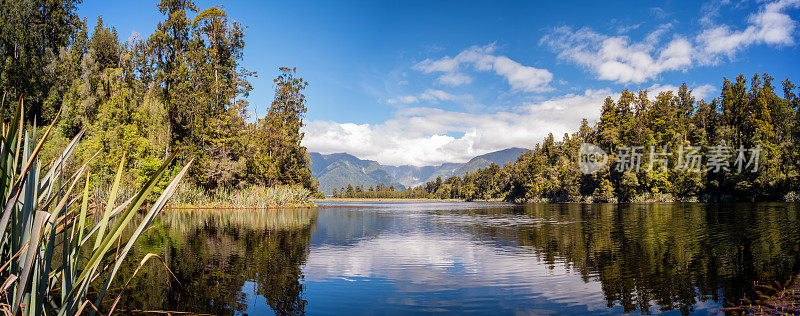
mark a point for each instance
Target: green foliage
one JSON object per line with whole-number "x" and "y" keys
{"x": 251, "y": 197}
{"x": 38, "y": 224}
{"x": 277, "y": 156}
{"x": 334, "y": 170}
{"x": 182, "y": 87}
{"x": 604, "y": 192}
{"x": 751, "y": 117}
{"x": 34, "y": 38}
{"x": 739, "y": 117}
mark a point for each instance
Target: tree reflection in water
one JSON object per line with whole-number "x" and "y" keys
{"x": 645, "y": 257}
{"x": 670, "y": 256}
{"x": 214, "y": 252}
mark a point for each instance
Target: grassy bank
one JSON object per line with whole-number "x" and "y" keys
{"x": 644, "y": 198}
{"x": 336, "y": 199}
{"x": 189, "y": 196}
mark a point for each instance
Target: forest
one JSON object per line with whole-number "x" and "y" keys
{"x": 750, "y": 114}
{"x": 182, "y": 87}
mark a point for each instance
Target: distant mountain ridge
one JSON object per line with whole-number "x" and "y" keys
{"x": 340, "y": 169}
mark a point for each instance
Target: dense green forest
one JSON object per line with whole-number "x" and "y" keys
{"x": 182, "y": 87}
{"x": 746, "y": 115}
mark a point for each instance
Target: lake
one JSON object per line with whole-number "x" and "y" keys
{"x": 457, "y": 257}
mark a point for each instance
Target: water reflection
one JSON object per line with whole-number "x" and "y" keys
{"x": 220, "y": 256}
{"x": 468, "y": 257}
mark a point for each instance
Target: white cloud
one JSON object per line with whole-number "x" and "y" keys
{"x": 622, "y": 29}
{"x": 134, "y": 37}
{"x": 454, "y": 79}
{"x": 622, "y": 60}
{"x": 482, "y": 58}
{"x": 616, "y": 58}
{"x": 428, "y": 136}
{"x": 415, "y": 264}
{"x": 770, "y": 25}
{"x": 658, "y": 12}
{"x": 403, "y": 99}
{"x": 705, "y": 91}
{"x": 431, "y": 95}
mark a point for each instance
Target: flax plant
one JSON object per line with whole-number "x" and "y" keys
{"x": 45, "y": 232}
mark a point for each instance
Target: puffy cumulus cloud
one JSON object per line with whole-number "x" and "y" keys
{"x": 483, "y": 58}
{"x": 429, "y": 136}
{"x": 616, "y": 58}
{"x": 705, "y": 91}
{"x": 622, "y": 60}
{"x": 415, "y": 264}
{"x": 430, "y": 95}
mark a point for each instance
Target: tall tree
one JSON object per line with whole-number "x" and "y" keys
{"x": 279, "y": 158}
{"x": 32, "y": 34}
{"x": 169, "y": 43}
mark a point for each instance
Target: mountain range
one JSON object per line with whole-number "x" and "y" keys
{"x": 339, "y": 170}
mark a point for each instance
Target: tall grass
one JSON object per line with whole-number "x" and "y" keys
{"x": 273, "y": 220}
{"x": 250, "y": 197}
{"x": 45, "y": 231}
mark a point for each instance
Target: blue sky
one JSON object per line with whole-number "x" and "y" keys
{"x": 424, "y": 82}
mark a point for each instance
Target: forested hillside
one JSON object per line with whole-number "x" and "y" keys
{"x": 747, "y": 115}
{"x": 337, "y": 171}
{"x": 334, "y": 170}
{"x": 181, "y": 87}
{"x": 412, "y": 176}
{"x": 722, "y": 135}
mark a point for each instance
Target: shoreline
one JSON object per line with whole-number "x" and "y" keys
{"x": 396, "y": 200}
{"x": 532, "y": 202}
{"x": 313, "y": 203}
{"x": 231, "y": 207}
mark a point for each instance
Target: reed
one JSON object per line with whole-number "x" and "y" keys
{"x": 45, "y": 232}
{"x": 255, "y": 196}
{"x": 274, "y": 220}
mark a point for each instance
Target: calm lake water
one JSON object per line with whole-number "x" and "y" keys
{"x": 437, "y": 257}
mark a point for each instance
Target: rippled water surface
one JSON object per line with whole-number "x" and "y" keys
{"x": 440, "y": 257}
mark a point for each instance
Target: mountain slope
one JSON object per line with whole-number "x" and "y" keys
{"x": 498, "y": 157}
{"x": 412, "y": 175}
{"x": 339, "y": 170}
